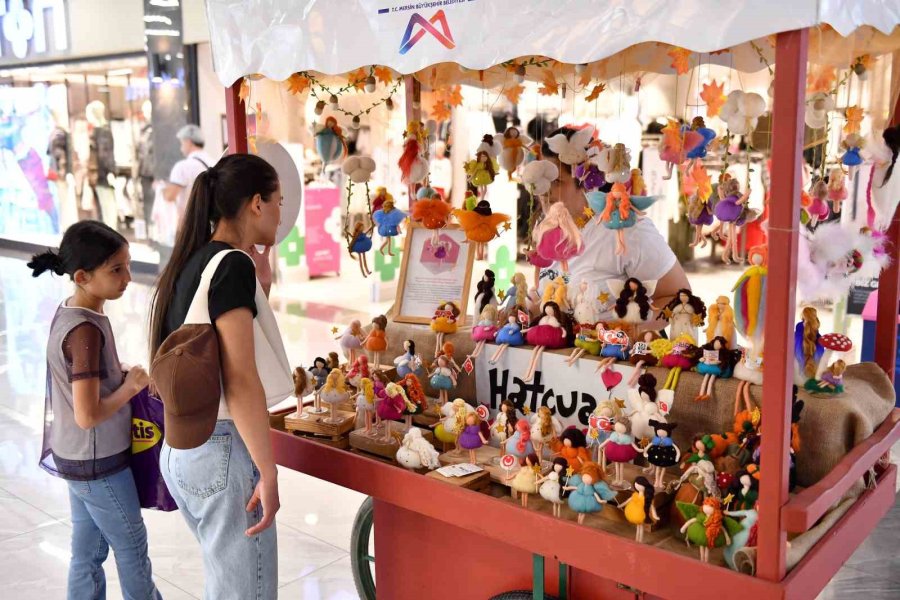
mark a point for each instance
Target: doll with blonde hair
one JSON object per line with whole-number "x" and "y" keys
{"x": 557, "y": 237}
{"x": 516, "y": 296}
{"x": 351, "y": 340}
{"x": 556, "y": 291}
{"x": 365, "y": 406}
{"x": 837, "y": 191}
{"x": 807, "y": 348}
{"x": 471, "y": 437}
{"x": 334, "y": 392}
{"x": 721, "y": 321}
{"x": 544, "y": 429}
{"x": 485, "y": 330}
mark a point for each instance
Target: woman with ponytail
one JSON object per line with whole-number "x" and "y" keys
{"x": 87, "y": 424}
{"x": 226, "y": 483}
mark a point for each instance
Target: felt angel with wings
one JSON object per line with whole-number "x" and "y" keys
{"x": 633, "y": 305}
{"x": 513, "y": 144}
{"x": 576, "y": 149}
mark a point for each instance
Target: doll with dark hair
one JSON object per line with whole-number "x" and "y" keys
{"x": 504, "y": 425}
{"x": 319, "y": 372}
{"x": 572, "y": 446}
{"x": 662, "y": 451}
{"x": 639, "y": 509}
{"x": 744, "y": 490}
{"x": 550, "y": 330}
{"x": 550, "y": 486}
{"x": 484, "y": 293}
{"x": 376, "y": 342}
{"x": 642, "y": 354}
{"x": 633, "y": 304}
{"x": 685, "y": 314}
{"x": 712, "y": 363}
{"x": 525, "y": 479}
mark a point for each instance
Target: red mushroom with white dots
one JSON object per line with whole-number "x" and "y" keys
{"x": 832, "y": 342}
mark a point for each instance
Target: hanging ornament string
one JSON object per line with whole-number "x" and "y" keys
{"x": 330, "y": 96}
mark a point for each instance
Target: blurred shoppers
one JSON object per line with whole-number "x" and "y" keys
{"x": 441, "y": 175}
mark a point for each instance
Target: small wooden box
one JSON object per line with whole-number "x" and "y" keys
{"x": 377, "y": 446}
{"x": 479, "y": 482}
{"x": 318, "y": 425}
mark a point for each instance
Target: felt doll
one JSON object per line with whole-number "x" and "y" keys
{"x": 359, "y": 242}
{"x": 748, "y": 371}
{"x": 471, "y": 437}
{"x": 589, "y": 491}
{"x": 572, "y": 446}
{"x": 365, "y": 406}
{"x": 832, "y": 379}
{"x": 721, "y": 321}
{"x": 519, "y": 443}
{"x": 504, "y": 424}
{"x": 683, "y": 356}
{"x": 381, "y": 196}
{"x": 706, "y": 527}
{"x": 557, "y": 237}
{"x": 639, "y": 509}
{"x": 644, "y": 407}
{"x": 413, "y": 161}
{"x": 588, "y": 176}
{"x": 484, "y": 293}
{"x": 481, "y": 171}
{"x": 549, "y": 485}
{"x": 730, "y": 210}
{"x": 391, "y": 407}
{"x": 633, "y": 303}
{"x": 614, "y": 348}
{"x": 331, "y": 146}
{"x": 444, "y": 321}
{"x": 702, "y": 478}
{"x": 544, "y": 429}
{"x": 851, "y": 158}
{"x": 452, "y": 416}
{"x": 416, "y": 401}
{"x": 513, "y": 153}
{"x": 685, "y": 314}
{"x": 548, "y": 331}
{"x": 526, "y": 478}
{"x": 508, "y": 335}
{"x": 480, "y": 225}
{"x": 619, "y": 449}
{"x": 388, "y": 219}
{"x": 837, "y": 192}
{"x": 416, "y": 452}
{"x": 376, "y": 342}
{"x": 334, "y": 392}
{"x": 701, "y": 446}
{"x": 303, "y": 386}
{"x": 585, "y": 309}
{"x": 618, "y": 210}
{"x": 447, "y": 349}
{"x": 808, "y": 349}
{"x": 431, "y": 211}
{"x": 677, "y": 143}
{"x": 741, "y": 539}
{"x": 443, "y": 378}
{"x": 334, "y": 361}
{"x": 707, "y": 135}
{"x": 485, "y": 329}
{"x": 516, "y": 295}
{"x": 749, "y": 316}
{"x": 351, "y": 340}
{"x": 359, "y": 369}
{"x": 601, "y": 423}
{"x": 642, "y": 355}
{"x": 818, "y": 207}
{"x": 744, "y": 491}
{"x": 712, "y": 365}
{"x": 319, "y": 372}
{"x": 409, "y": 362}
{"x": 635, "y": 185}
{"x": 556, "y": 291}
{"x": 587, "y": 340}
{"x": 662, "y": 451}
{"x": 697, "y": 186}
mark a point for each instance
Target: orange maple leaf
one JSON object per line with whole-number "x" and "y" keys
{"x": 586, "y": 75}
{"x": 714, "y": 97}
{"x": 680, "y": 59}
{"x": 854, "y": 116}
{"x": 454, "y": 96}
{"x": 440, "y": 111}
{"x": 820, "y": 79}
{"x": 549, "y": 86}
{"x": 244, "y": 92}
{"x": 384, "y": 75}
{"x": 297, "y": 83}
{"x": 595, "y": 93}
{"x": 512, "y": 94}
{"x": 357, "y": 78}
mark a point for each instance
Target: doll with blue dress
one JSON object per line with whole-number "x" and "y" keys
{"x": 508, "y": 335}
{"x": 589, "y": 491}
{"x": 388, "y": 219}
{"x": 618, "y": 210}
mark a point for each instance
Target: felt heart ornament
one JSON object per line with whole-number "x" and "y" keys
{"x": 611, "y": 378}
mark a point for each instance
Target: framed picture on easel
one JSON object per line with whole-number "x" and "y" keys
{"x": 433, "y": 270}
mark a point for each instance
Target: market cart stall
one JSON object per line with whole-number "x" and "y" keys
{"x": 456, "y": 542}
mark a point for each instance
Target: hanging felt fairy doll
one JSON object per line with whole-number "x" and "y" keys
{"x": 676, "y": 144}
{"x": 557, "y": 237}
{"x": 731, "y": 210}
{"x": 707, "y": 135}
{"x": 513, "y": 153}
{"x": 381, "y": 196}
{"x": 706, "y": 527}
{"x": 444, "y": 321}
{"x": 388, "y": 219}
{"x": 481, "y": 171}
{"x": 633, "y": 306}
{"x": 697, "y": 186}
{"x": 413, "y": 162}
{"x": 818, "y": 206}
{"x": 331, "y": 145}
{"x": 550, "y": 330}
{"x": 359, "y": 242}
{"x": 685, "y": 314}
{"x": 431, "y": 211}
{"x": 480, "y": 225}
{"x": 837, "y": 191}
{"x": 851, "y": 158}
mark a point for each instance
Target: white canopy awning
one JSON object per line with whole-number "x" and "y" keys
{"x": 277, "y": 38}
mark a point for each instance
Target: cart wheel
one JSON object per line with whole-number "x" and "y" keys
{"x": 362, "y": 562}
{"x": 519, "y": 595}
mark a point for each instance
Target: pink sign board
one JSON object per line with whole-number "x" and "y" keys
{"x": 323, "y": 229}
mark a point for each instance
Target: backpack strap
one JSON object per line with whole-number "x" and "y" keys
{"x": 198, "y": 312}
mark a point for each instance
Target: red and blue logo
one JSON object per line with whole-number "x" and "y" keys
{"x": 414, "y": 34}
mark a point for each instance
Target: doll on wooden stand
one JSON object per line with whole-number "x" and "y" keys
{"x": 334, "y": 392}
{"x": 358, "y": 370}
{"x": 416, "y": 400}
{"x": 589, "y": 491}
{"x": 504, "y": 424}
{"x": 351, "y": 340}
{"x": 601, "y": 424}
{"x": 508, "y": 335}
{"x": 416, "y": 452}
{"x": 319, "y": 372}
{"x": 706, "y": 527}
{"x": 633, "y": 303}
{"x": 639, "y": 509}
{"x": 376, "y": 342}
{"x": 620, "y": 448}
{"x": 391, "y": 408}
{"x": 409, "y": 363}
{"x": 443, "y": 378}
{"x": 662, "y": 451}
{"x": 365, "y": 406}
{"x": 526, "y": 478}
{"x": 642, "y": 355}
{"x": 544, "y": 429}
{"x": 447, "y": 430}
{"x": 485, "y": 329}
{"x": 572, "y": 446}
{"x": 550, "y": 487}
{"x": 519, "y": 444}
{"x": 303, "y": 387}
{"x": 548, "y": 331}
{"x": 471, "y": 437}
{"x": 444, "y": 321}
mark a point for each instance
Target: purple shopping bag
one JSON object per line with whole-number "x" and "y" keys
{"x": 146, "y": 443}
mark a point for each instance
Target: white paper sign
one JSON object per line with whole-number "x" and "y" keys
{"x": 572, "y": 393}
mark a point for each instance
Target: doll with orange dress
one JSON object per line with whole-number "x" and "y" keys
{"x": 677, "y": 143}
{"x": 388, "y": 221}
{"x": 351, "y": 340}
{"x": 514, "y": 144}
{"x": 550, "y": 330}
{"x": 837, "y": 191}
{"x": 618, "y": 210}
{"x": 557, "y": 236}
{"x": 376, "y": 342}
{"x": 572, "y": 446}
{"x": 431, "y": 211}
{"x": 444, "y": 321}
{"x": 480, "y": 225}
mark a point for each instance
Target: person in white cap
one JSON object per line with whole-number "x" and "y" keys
{"x": 185, "y": 171}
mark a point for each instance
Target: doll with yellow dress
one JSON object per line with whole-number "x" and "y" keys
{"x": 721, "y": 321}
{"x": 639, "y": 509}
{"x": 447, "y": 429}
{"x": 445, "y": 321}
{"x": 514, "y": 144}
{"x": 587, "y": 341}
{"x": 480, "y": 225}
{"x": 526, "y": 478}
{"x": 481, "y": 171}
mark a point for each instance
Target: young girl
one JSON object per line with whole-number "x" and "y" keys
{"x": 226, "y": 484}
{"x": 87, "y": 431}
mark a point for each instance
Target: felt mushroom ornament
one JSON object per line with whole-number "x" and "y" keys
{"x": 832, "y": 342}
{"x": 817, "y": 108}
{"x": 741, "y": 111}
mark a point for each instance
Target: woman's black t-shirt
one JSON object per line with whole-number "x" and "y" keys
{"x": 233, "y": 286}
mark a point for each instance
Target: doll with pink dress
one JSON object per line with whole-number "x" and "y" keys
{"x": 837, "y": 191}
{"x": 485, "y": 330}
{"x": 620, "y": 448}
{"x": 389, "y": 407}
{"x": 818, "y": 207}
{"x": 548, "y": 331}
{"x": 358, "y": 370}
{"x": 558, "y": 237}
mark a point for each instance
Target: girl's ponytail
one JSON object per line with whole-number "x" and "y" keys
{"x": 46, "y": 261}
{"x": 85, "y": 246}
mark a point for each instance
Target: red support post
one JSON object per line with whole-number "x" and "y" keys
{"x": 889, "y": 292}
{"x": 235, "y": 119}
{"x": 784, "y": 220}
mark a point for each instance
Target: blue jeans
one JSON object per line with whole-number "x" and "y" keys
{"x": 106, "y": 512}
{"x": 212, "y": 485}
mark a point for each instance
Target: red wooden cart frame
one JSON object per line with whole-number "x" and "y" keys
{"x": 649, "y": 569}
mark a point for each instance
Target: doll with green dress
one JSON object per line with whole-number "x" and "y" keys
{"x": 706, "y": 526}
